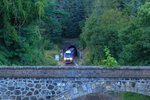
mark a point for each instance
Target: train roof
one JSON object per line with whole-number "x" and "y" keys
{"x": 68, "y": 51}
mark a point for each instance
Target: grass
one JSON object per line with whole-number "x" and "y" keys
{"x": 133, "y": 96}
{"x": 50, "y": 54}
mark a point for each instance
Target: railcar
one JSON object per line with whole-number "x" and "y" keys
{"x": 69, "y": 55}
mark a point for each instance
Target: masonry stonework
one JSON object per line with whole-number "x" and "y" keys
{"x": 52, "y": 83}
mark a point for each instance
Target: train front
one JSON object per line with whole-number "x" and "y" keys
{"x": 68, "y": 57}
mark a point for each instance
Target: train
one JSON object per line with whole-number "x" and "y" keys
{"x": 69, "y": 55}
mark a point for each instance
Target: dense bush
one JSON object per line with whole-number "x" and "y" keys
{"x": 109, "y": 61}
{"x": 25, "y": 27}
{"x": 75, "y": 10}
{"x": 101, "y": 31}
{"x": 126, "y": 35}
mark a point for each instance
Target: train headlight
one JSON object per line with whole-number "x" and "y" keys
{"x": 71, "y": 59}
{"x": 65, "y": 58}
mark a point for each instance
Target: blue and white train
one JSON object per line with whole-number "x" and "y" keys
{"x": 69, "y": 55}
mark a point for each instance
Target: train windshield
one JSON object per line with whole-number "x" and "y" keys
{"x": 67, "y": 55}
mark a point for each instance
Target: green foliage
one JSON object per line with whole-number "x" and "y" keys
{"x": 133, "y": 96}
{"x": 51, "y": 56}
{"x": 109, "y": 61}
{"x": 54, "y": 23}
{"x": 144, "y": 13}
{"x": 25, "y": 27}
{"x": 125, "y": 34}
{"x": 135, "y": 40}
{"x": 130, "y": 7}
{"x": 32, "y": 39}
{"x": 101, "y": 31}
{"x": 75, "y": 14}
{"x": 40, "y": 7}
{"x": 3, "y": 58}
{"x": 100, "y": 6}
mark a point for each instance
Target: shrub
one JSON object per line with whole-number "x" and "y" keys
{"x": 109, "y": 61}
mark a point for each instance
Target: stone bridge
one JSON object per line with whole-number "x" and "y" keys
{"x": 69, "y": 82}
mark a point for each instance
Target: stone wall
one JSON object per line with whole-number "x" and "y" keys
{"x": 66, "y": 89}
{"x": 34, "y": 89}
{"x": 67, "y": 83}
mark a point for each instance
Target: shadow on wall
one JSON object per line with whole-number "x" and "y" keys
{"x": 98, "y": 96}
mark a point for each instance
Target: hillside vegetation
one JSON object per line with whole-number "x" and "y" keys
{"x": 28, "y": 28}
{"x": 122, "y": 27}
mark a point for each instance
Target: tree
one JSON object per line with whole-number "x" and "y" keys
{"x": 75, "y": 13}
{"x": 101, "y": 31}
{"x": 135, "y": 39}
{"x": 144, "y": 14}
{"x": 109, "y": 61}
{"x": 20, "y": 32}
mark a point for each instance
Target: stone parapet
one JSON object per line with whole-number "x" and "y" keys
{"x": 73, "y": 72}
